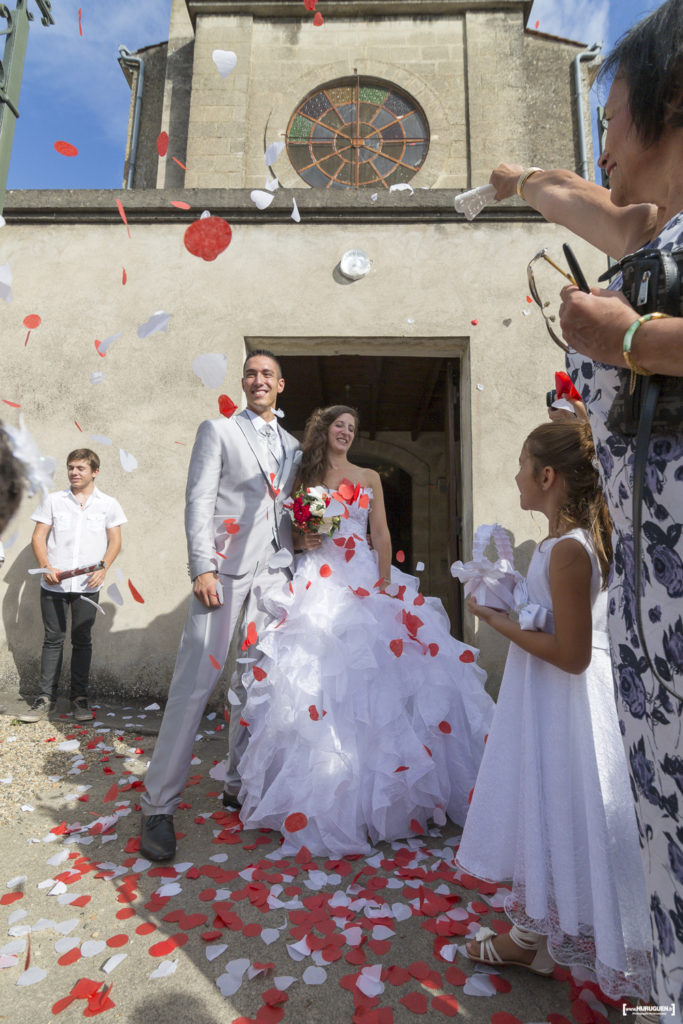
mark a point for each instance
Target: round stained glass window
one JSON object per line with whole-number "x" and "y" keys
{"x": 357, "y": 133}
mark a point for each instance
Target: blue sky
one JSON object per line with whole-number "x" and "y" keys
{"x": 73, "y": 88}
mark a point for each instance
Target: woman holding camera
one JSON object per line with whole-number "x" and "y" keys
{"x": 643, "y": 158}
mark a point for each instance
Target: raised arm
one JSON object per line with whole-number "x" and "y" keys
{"x": 583, "y": 207}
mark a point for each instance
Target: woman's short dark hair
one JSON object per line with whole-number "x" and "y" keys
{"x": 649, "y": 58}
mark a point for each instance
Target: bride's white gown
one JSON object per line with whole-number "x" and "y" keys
{"x": 366, "y": 717}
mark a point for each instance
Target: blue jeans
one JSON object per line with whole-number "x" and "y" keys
{"x": 54, "y": 607}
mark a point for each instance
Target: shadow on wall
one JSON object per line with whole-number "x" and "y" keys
{"x": 145, "y": 657}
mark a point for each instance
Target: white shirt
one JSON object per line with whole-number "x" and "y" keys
{"x": 78, "y": 535}
{"x": 261, "y": 426}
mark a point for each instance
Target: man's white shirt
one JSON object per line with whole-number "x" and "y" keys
{"x": 78, "y": 535}
{"x": 261, "y": 426}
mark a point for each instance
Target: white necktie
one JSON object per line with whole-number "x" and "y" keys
{"x": 271, "y": 441}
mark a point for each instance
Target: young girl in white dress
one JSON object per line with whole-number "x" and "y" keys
{"x": 366, "y": 718}
{"x": 552, "y": 807}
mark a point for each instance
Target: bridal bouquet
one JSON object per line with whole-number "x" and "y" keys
{"x": 307, "y": 511}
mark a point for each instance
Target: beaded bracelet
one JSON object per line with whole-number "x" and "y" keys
{"x": 633, "y": 366}
{"x": 522, "y": 180}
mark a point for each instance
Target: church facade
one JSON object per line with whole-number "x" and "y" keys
{"x": 315, "y": 143}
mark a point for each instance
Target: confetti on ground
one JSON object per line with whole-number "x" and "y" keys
{"x": 162, "y": 143}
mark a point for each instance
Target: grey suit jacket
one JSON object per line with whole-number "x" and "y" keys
{"x": 229, "y": 478}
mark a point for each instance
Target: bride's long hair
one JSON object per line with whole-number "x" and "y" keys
{"x": 314, "y": 444}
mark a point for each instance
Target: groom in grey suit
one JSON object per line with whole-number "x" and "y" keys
{"x": 241, "y": 471}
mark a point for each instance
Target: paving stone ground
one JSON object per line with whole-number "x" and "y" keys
{"x": 230, "y": 931}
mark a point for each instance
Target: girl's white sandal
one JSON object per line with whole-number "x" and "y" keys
{"x": 542, "y": 963}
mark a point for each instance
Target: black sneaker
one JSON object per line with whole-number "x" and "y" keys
{"x": 39, "y": 709}
{"x": 230, "y": 801}
{"x": 81, "y": 710}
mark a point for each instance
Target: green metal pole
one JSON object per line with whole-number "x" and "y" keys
{"x": 11, "y": 71}
{"x": 16, "y": 38}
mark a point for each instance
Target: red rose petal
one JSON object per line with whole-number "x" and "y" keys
{"x": 295, "y": 822}
{"x": 65, "y": 148}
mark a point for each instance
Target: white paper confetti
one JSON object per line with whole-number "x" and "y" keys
{"x": 296, "y": 216}
{"x": 402, "y": 186}
{"x": 157, "y": 322}
{"x": 114, "y": 594}
{"x": 97, "y": 377}
{"x": 210, "y": 368}
{"x": 32, "y": 976}
{"x": 213, "y": 951}
{"x": 316, "y": 976}
{"x": 128, "y": 461}
{"x": 479, "y": 985}
{"x": 272, "y": 185}
{"x": 280, "y": 559}
{"x": 93, "y": 603}
{"x": 104, "y": 345}
{"x": 262, "y": 199}
{"x": 6, "y": 283}
{"x": 92, "y": 947}
{"x": 369, "y": 981}
{"x": 273, "y": 152}
{"x": 165, "y": 969}
{"x": 225, "y": 61}
{"x": 100, "y": 439}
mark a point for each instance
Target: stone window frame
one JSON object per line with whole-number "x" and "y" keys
{"x": 329, "y": 126}
{"x": 447, "y": 144}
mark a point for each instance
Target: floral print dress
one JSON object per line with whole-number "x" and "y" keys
{"x": 650, "y": 717}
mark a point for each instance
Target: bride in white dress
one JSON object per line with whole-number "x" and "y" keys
{"x": 366, "y": 718}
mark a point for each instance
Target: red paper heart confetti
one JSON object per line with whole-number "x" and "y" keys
{"x": 445, "y": 1004}
{"x": 318, "y": 19}
{"x": 180, "y": 204}
{"x": 166, "y": 947}
{"x": 162, "y": 143}
{"x": 251, "y": 637}
{"x": 295, "y": 822}
{"x": 231, "y": 526}
{"x": 136, "y": 595}
{"x": 396, "y": 647}
{"x": 259, "y": 673}
{"x": 65, "y": 148}
{"x": 208, "y": 237}
{"x": 445, "y": 728}
{"x": 80, "y": 21}
{"x": 400, "y": 556}
{"x": 467, "y": 657}
{"x": 226, "y": 406}
{"x": 122, "y": 214}
{"x": 215, "y": 664}
{"x": 325, "y": 570}
{"x": 416, "y": 1002}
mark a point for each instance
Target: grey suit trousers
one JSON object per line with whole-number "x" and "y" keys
{"x": 207, "y": 632}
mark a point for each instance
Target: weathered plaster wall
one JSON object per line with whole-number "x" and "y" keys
{"x": 428, "y": 281}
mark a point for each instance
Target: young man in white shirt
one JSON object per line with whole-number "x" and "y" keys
{"x": 76, "y": 527}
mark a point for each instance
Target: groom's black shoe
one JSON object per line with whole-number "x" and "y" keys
{"x": 231, "y": 801}
{"x": 157, "y": 836}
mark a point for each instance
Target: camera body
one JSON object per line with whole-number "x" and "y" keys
{"x": 550, "y": 397}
